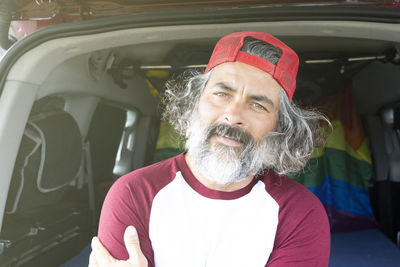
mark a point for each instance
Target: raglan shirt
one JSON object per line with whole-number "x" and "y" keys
{"x": 273, "y": 221}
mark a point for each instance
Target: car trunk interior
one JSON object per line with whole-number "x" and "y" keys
{"x": 110, "y": 85}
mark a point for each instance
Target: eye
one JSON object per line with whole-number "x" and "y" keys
{"x": 221, "y": 94}
{"x": 258, "y": 106}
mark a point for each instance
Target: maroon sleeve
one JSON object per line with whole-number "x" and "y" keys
{"x": 121, "y": 209}
{"x": 303, "y": 234}
{"x": 128, "y": 202}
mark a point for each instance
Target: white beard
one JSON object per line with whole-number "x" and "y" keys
{"x": 224, "y": 164}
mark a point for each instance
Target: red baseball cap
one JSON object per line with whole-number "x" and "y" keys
{"x": 228, "y": 49}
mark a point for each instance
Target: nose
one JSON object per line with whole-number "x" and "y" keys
{"x": 234, "y": 114}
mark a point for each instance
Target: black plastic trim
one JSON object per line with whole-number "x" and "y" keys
{"x": 208, "y": 16}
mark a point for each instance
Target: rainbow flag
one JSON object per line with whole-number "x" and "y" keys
{"x": 340, "y": 172}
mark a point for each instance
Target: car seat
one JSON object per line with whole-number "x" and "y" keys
{"x": 47, "y": 215}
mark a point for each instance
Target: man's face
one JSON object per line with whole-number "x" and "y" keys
{"x": 237, "y": 109}
{"x": 242, "y": 96}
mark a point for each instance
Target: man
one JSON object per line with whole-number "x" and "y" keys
{"x": 224, "y": 202}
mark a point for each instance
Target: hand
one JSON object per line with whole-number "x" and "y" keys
{"x": 101, "y": 257}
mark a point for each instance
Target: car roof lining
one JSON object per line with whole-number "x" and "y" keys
{"x": 56, "y": 51}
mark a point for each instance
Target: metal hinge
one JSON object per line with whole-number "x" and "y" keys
{"x": 71, "y": 10}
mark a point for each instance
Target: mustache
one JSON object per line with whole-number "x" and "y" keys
{"x": 234, "y": 133}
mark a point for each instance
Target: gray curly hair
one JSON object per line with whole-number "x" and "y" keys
{"x": 297, "y": 132}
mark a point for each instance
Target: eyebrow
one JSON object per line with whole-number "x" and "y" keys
{"x": 261, "y": 98}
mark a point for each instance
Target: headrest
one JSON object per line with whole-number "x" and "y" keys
{"x": 59, "y": 143}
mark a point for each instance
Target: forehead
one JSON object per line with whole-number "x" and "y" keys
{"x": 243, "y": 76}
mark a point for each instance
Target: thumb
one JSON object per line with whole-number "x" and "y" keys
{"x": 132, "y": 245}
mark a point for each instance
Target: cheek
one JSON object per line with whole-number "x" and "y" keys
{"x": 207, "y": 112}
{"x": 263, "y": 127}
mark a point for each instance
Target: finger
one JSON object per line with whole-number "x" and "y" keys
{"x": 99, "y": 253}
{"x": 132, "y": 245}
{"x": 92, "y": 261}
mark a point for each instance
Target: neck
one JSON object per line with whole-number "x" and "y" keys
{"x": 210, "y": 184}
